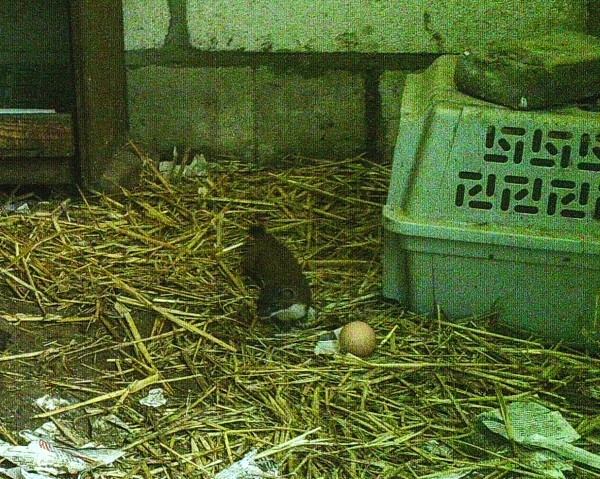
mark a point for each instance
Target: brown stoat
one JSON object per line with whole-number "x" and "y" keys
{"x": 285, "y": 294}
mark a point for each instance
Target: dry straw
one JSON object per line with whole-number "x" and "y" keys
{"x": 154, "y": 281}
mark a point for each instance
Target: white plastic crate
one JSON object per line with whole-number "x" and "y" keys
{"x": 494, "y": 209}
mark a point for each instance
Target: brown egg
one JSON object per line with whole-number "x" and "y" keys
{"x": 357, "y": 338}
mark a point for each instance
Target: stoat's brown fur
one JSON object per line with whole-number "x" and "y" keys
{"x": 272, "y": 266}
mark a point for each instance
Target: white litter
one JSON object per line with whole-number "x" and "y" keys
{"x": 45, "y": 457}
{"x": 249, "y": 468}
{"x": 49, "y": 459}
{"x": 49, "y": 403}
{"x": 254, "y": 466}
{"x": 155, "y": 398}
{"x": 21, "y": 207}
{"x": 196, "y": 168}
{"x": 535, "y": 425}
{"x": 328, "y": 343}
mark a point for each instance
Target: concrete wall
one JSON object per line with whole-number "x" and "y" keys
{"x": 594, "y": 17}
{"x": 266, "y": 78}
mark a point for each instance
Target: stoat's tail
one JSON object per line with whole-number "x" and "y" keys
{"x": 256, "y": 230}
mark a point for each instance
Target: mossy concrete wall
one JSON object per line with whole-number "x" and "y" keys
{"x": 262, "y": 79}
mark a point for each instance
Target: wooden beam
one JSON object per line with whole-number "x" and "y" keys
{"x": 37, "y": 171}
{"x": 38, "y": 135}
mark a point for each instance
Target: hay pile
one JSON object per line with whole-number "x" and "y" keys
{"x": 153, "y": 285}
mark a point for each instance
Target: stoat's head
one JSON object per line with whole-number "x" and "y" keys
{"x": 282, "y": 304}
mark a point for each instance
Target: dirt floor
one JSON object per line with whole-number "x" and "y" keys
{"x": 104, "y": 299}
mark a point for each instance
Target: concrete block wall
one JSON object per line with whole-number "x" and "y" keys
{"x": 262, "y": 79}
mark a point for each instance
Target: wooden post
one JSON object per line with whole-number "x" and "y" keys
{"x": 101, "y": 121}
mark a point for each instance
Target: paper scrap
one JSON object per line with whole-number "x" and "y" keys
{"x": 49, "y": 403}
{"x": 249, "y": 468}
{"x": 46, "y": 457}
{"x": 328, "y": 343}
{"x": 197, "y": 167}
{"x": 155, "y": 398}
{"x": 535, "y": 425}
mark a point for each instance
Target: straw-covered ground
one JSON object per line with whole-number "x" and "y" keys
{"x": 146, "y": 292}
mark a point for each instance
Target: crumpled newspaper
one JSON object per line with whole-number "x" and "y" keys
{"x": 44, "y": 457}
{"x": 535, "y": 425}
{"x": 532, "y": 424}
{"x": 18, "y": 473}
